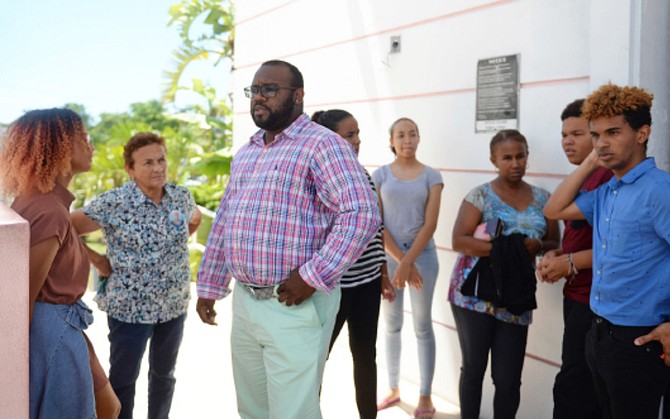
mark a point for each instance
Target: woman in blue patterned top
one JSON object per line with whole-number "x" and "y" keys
{"x": 482, "y": 326}
{"x": 146, "y": 224}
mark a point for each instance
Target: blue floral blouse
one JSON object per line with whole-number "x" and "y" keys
{"x": 530, "y": 222}
{"x": 147, "y": 249}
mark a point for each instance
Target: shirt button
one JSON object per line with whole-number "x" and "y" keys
{"x": 616, "y": 192}
{"x": 598, "y": 273}
{"x": 604, "y": 246}
{"x": 598, "y": 297}
{"x": 607, "y": 219}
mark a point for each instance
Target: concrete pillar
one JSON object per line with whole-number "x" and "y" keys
{"x": 14, "y": 246}
{"x": 630, "y": 45}
{"x": 650, "y": 60}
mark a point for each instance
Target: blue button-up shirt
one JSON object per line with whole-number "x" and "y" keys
{"x": 631, "y": 246}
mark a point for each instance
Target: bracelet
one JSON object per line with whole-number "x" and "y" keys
{"x": 573, "y": 268}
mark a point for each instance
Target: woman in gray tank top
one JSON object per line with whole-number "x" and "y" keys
{"x": 410, "y": 193}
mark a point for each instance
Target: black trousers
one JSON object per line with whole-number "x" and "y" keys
{"x": 629, "y": 380}
{"x": 478, "y": 334}
{"x": 359, "y": 307}
{"x": 574, "y": 392}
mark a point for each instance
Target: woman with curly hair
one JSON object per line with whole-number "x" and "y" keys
{"x": 40, "y": 154}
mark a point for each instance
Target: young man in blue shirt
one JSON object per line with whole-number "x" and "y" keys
{"x": 630, "y": 296}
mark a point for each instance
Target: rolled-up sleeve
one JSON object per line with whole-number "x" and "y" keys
{"x": 585, "y": 201}
{"x": 343, "y": 187}
{"x": 213, "y": 276}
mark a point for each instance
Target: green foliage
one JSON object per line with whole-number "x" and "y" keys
{"x": 216, "y": 42}
{"x": 197, "y": 136}
{"x": 190, "y": 162}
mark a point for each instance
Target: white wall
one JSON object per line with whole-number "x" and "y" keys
{"x": 567, "y": 48}
{"x": 14, "y": 243}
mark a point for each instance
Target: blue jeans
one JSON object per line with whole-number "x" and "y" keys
{"x": 127, "y": 344}
{"x": 422, "y": 303}
{"x": 61, "y": 385}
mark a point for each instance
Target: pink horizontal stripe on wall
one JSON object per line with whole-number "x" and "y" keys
{"x": 486, "y": 172}
{"x": 398, "y": 97}
{"x": 524, "y": 85}
{"x": 369, "y": 35}
{"x": 529, "y": 355}
{"x": 257, "y": 15}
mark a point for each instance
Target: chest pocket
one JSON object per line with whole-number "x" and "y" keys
{"x": 625, "y": 240}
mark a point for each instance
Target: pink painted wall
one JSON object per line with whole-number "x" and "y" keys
{"x": 14, "y": 244}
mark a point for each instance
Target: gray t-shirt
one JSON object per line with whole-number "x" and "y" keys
{"x": 404, "y": 201}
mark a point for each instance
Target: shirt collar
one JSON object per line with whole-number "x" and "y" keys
{"x": 290, "y": 132}
{"x": 63, "y": 195}
{"x": 137, "y": 197}
{"x": 636, "y": 172}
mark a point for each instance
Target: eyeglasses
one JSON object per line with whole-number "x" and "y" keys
{"x": 267, "y": 91}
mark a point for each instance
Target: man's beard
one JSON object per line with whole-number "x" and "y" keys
{"x": 277, "y": 120}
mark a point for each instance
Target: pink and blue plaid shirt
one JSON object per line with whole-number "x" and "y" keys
{"x": 302, "y": 201}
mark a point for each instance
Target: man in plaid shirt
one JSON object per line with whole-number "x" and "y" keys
{"x": 297, "y": 212}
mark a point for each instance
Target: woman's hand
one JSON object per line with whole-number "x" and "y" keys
{"x": 100, "y": 262}
{"x": 407, "y": 274}
{"x": 401, "y": 275}
{"x": 415, "y": 279}
{"x": 103, "y": 266}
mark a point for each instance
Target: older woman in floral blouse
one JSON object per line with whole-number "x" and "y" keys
{"x": 146, "y": 223}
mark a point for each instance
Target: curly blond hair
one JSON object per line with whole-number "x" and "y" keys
{"x": 37, "y": 148}
{"x": 610, "y": 100}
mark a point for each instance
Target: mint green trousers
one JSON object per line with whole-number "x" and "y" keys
{"x": 279, "y": 354}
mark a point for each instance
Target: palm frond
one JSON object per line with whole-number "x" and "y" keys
{"x": 182, "y": 58}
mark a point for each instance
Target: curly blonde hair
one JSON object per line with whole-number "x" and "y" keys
{"x": 610, "y": 100}
{"x": 37, "y": 148}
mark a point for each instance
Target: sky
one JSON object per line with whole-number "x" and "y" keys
{"x": 103, "y": 54}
